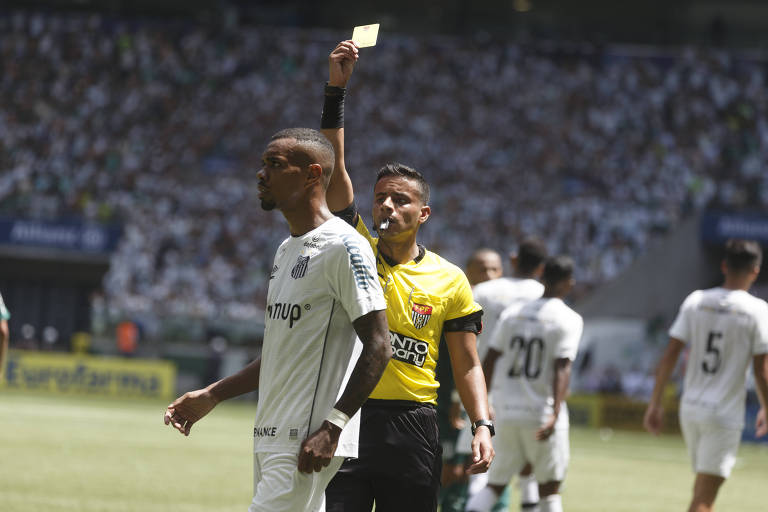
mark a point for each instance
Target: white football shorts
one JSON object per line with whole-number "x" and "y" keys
{"x": 712, "y": 448}
{"x": 515, "y": 445}
{"x": 278, "y": 486}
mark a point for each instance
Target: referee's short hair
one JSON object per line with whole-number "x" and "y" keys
{"x": 557, "y": 269}
{"x": 398, "y": 169}
{"x": 743, "y": 255}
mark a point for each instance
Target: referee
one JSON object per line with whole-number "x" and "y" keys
{"x": 399, "y": 461}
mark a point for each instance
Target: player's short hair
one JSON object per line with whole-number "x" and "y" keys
{"x": 531, "y": 253}
{"x": 315, "y": 147}
{"x": 743, "y": 255}
{"x": 557, "y": 269}
{"x": 403, "y": 171}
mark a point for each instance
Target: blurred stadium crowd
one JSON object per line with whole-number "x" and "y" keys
{"x": 159, "y": 126}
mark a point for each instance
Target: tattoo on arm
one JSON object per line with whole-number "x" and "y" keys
{"x": 373, "y": 331}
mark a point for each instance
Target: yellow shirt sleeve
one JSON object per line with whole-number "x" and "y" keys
{"x": 462, "y": 301}
{"x": 363, "y": 230}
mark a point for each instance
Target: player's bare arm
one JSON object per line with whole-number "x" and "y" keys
{"x": 489, "y": 365}
{"x": 470, "y": 383}
{"x": 3, "y": 344}
{"x": 341, "y": 63}
{"x": 760, "y": 368}
{"x": 372, "y": 329}
{"x": 560, "y": 383}
{"x": 653, "y": 419}
{"x": 761, "y": 423}
{"x": 186, "y": 410}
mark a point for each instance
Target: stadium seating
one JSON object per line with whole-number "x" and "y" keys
{"x": 159, "y": 126}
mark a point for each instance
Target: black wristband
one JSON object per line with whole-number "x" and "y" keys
{"x": 333, "y": 107}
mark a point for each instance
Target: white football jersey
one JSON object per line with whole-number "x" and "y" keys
{"x": 531, "y": 337}
{"x": 724, "y": 330}
{"x": 320, "y": 283}
{"x": 497, "y": 295}
{"x": 4, "y": 314}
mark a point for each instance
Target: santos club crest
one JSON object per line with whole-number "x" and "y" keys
{"x": 420, "y": 314}
{"x": 300, "y": 269}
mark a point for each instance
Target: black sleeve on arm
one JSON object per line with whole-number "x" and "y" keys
{"x": 469, "y": 323}
{"x": 348, "y": 214}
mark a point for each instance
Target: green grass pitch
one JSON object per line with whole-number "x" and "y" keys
{"x": 88, "y": 455}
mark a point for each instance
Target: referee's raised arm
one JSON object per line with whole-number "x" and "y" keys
{"x": 341, "y": 62}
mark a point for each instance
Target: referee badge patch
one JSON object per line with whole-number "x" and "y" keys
{"x": 299, "y": 270}
{"x": 420, "y": 314}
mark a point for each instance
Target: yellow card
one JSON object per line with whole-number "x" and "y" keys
{"x": 365, "y": 35}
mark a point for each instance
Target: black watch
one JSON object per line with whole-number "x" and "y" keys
{"x": 484, "y": 423}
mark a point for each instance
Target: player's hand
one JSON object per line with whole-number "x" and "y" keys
{"x": 188, "y": 408}
{"x": 341, "y": 62}
{"x": 317, "y": 450}
{"x": 653, "y": 419}
{"x": 546, "y": 430}
{"x": 482, "y": 451}
{"x": 761, "y": 423}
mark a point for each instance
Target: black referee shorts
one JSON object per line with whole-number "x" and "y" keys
{"x": 399, "y": 464}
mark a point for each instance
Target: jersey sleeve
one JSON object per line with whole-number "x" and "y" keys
{"x": 482, "y": 294}
{"x": 463, "y": 312}
{"x": 4, "y": 313}
{"x": 760, "y": 341}
{"x": 492, "y": 307}
{"x": 681, "y": 326}
{"x": 570, "y": 338}
{"x": 351, "y": 273}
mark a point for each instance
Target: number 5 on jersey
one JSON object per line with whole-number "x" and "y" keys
{"x": 711, "y": 362}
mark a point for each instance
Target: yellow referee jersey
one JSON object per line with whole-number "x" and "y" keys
{"x": 425, "y": 297}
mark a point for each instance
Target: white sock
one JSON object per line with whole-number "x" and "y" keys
{"x": 551, "y": 503}
{"x": 529, "y": 490}
{"x": 482, "y": 501}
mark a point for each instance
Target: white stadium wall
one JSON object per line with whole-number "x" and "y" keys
{"x": 658, "y": 281}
